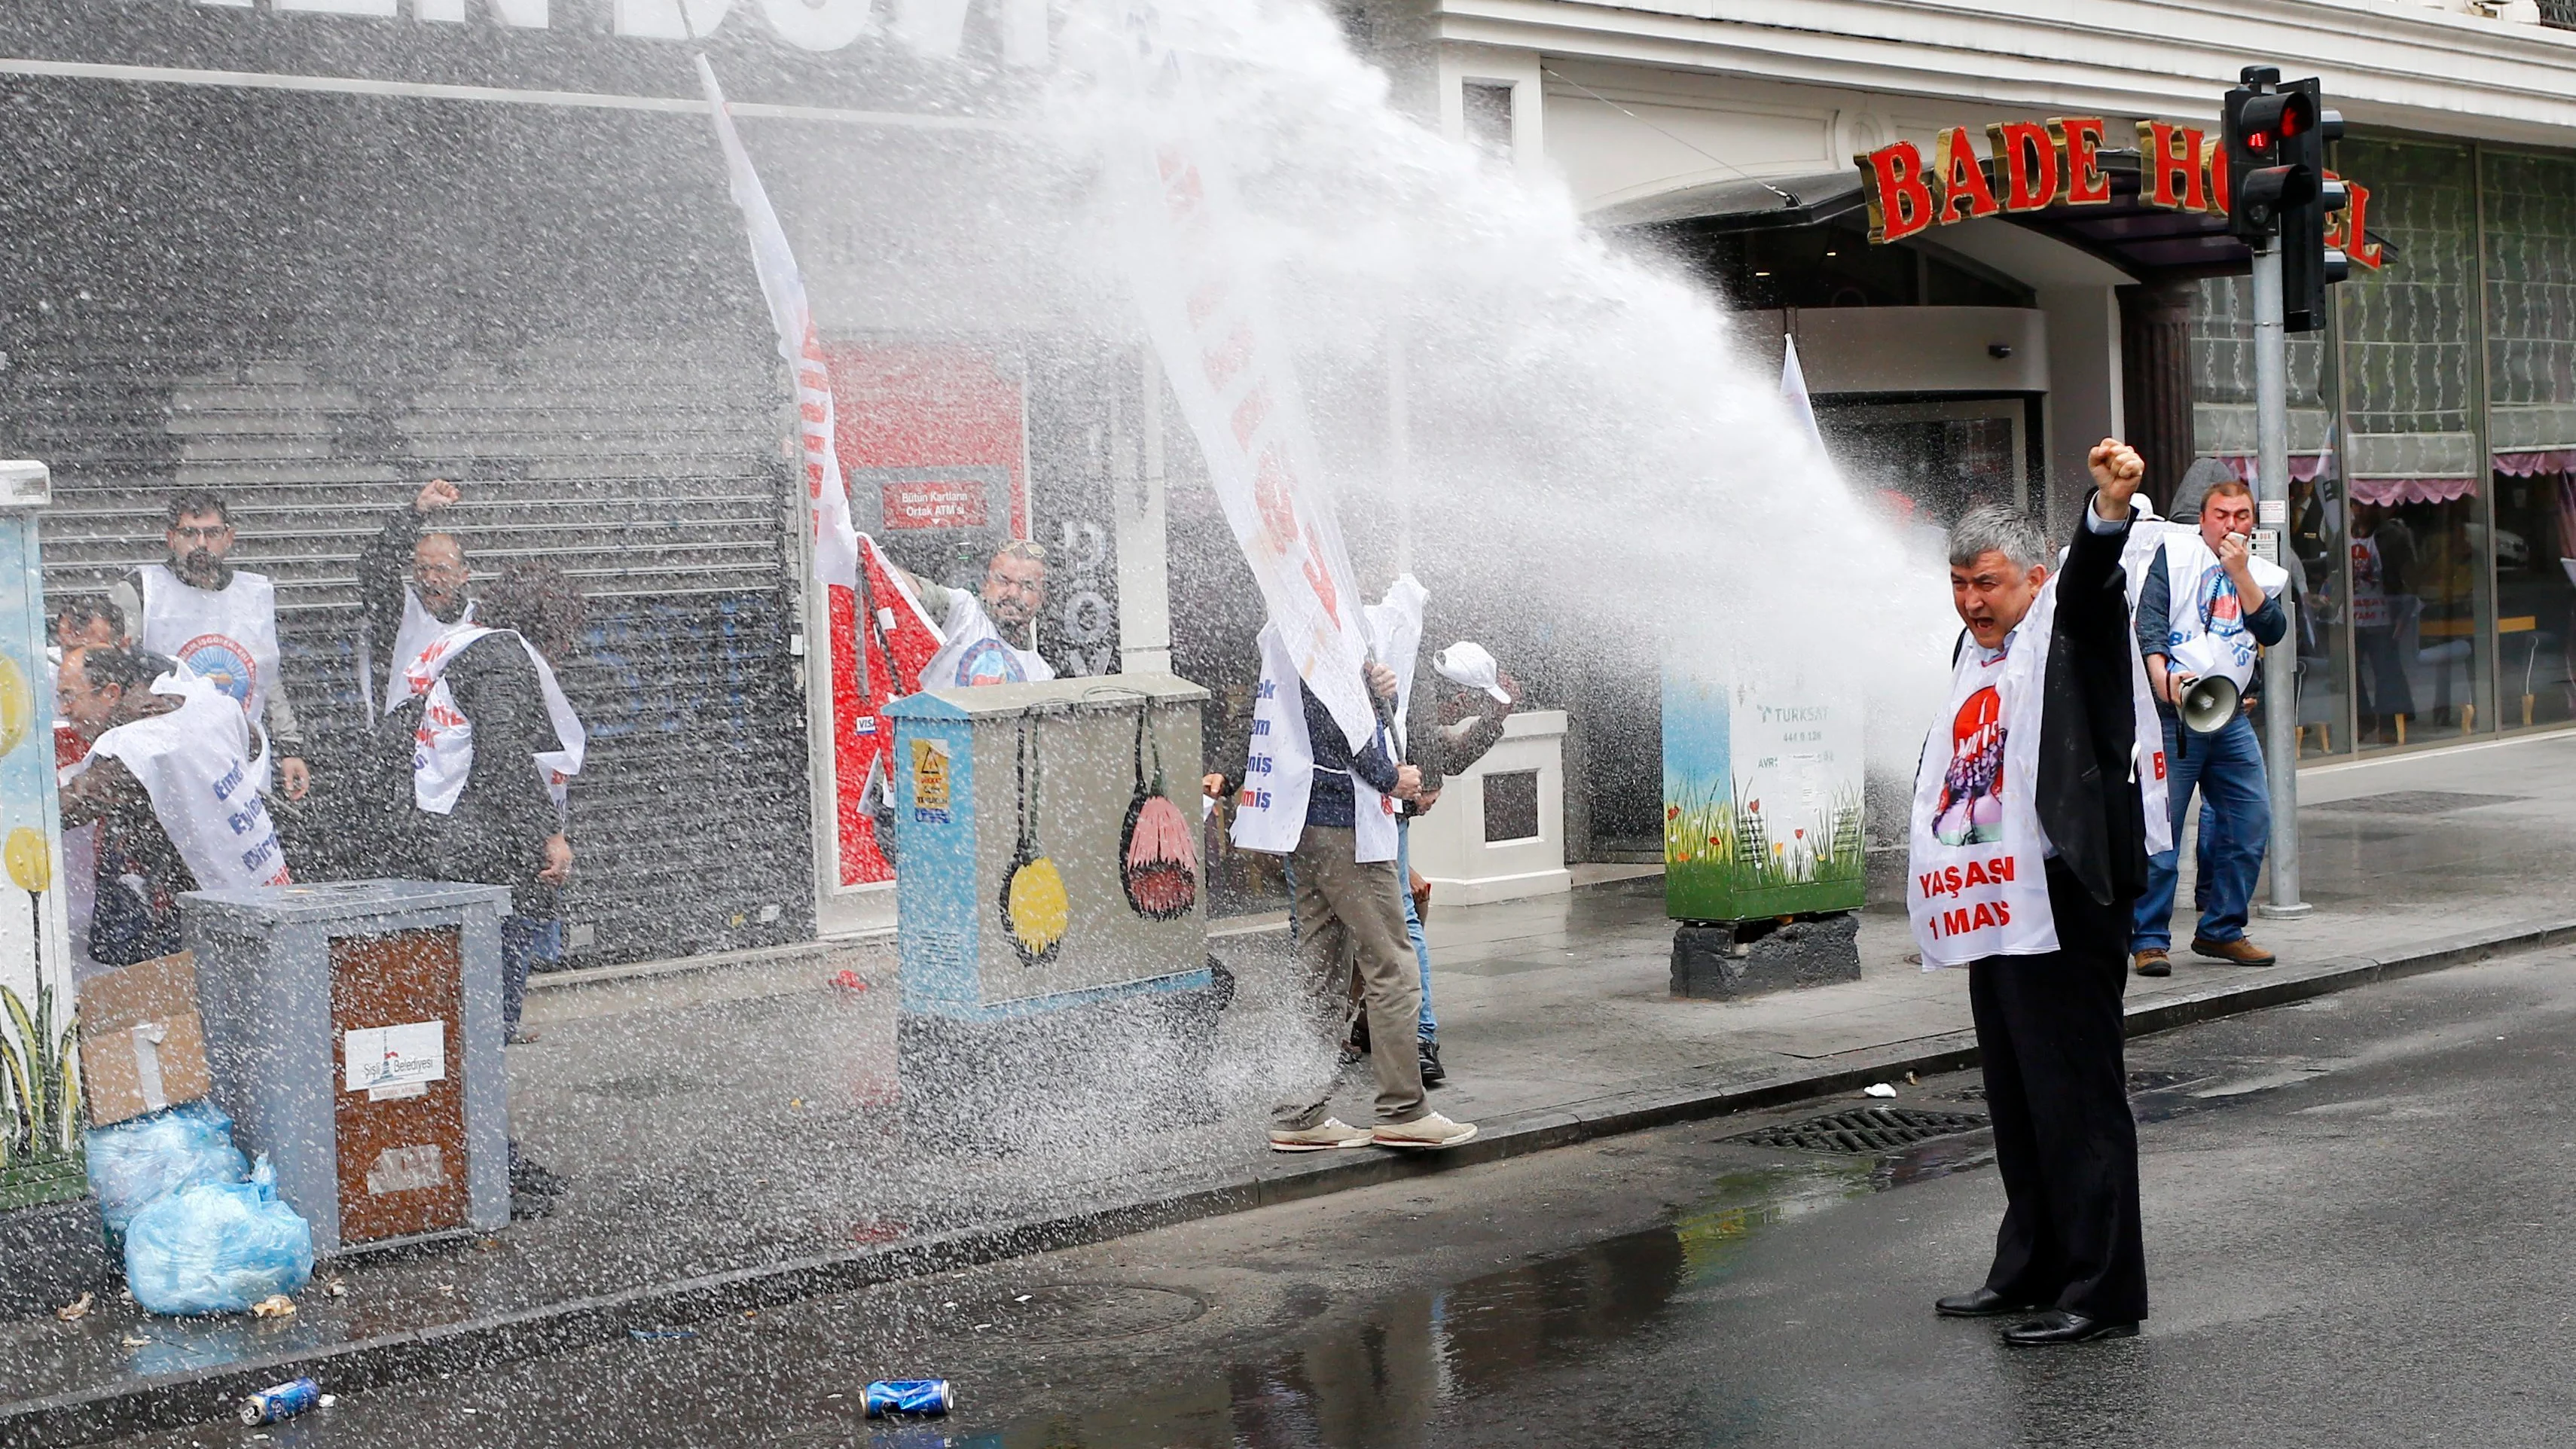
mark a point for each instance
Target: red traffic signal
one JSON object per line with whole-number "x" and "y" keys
{"x": 2264, "y": 132}
{"x": 2264, "y": 122}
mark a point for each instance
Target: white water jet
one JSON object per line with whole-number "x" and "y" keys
{"x": 1593, "y": 462}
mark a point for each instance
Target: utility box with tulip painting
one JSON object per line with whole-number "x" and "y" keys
{"x": 49, "y": 1246}
{"x": 1763, "y": 847}
{"x": 1051, "y": 904}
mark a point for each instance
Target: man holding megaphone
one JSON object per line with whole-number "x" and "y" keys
{"x": 2205, "y": 604}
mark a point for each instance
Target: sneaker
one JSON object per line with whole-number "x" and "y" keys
{"x": 1433, "y": 1074}
{"x": 2153, "y": 962}
{"x": 1324, "y": 1136}
{"x": 1430, "y": 1130}
{"x": 2241, "y": 951}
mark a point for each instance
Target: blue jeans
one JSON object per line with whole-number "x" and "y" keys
{"x": 2235, "y": 827}
{"x": 524, "y": 942}
{"x": 1426, "y": 1026}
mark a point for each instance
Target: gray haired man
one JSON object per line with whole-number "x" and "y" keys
{"x": 2027, "y": 851}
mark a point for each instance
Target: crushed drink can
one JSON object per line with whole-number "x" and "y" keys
{"x": 909, "y": 1396}
{"x": 280, "y": 1401}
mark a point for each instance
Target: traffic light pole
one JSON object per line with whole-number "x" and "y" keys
{"x": 2272, "y": 497}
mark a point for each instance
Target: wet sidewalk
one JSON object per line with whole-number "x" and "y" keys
{"x": 730, "y": 1134}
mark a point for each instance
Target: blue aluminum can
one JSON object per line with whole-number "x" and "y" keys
{"x": 909, "y": 1396}
{"x": 280, "y": 1401}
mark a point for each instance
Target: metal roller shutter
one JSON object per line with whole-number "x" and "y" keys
{"x": 639, "y": 453}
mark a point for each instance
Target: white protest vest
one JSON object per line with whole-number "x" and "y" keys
{"x": 443, "y": 743}
{"x": 2147, "y": 761}
{"x": 2206, "y": 631}
{"x": 226, "y": 636}
{"x": 194, "y": 762}
{"x": 412, "y": 637}
{"x": 976, "y": 653}
{"x": 1395, "y": 634}
{"x": 1279, "y": 776}
{"x": 1977, "y": 862}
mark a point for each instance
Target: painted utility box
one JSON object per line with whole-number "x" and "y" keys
{"x": 1052, "y": 920}
{"x": 49, "y": 1251}
{"x": 354, "y": 1029}
{"x": 1762, "y": 825}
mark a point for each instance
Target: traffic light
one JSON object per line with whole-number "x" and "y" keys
{"x": 2265, "y": 131}
{"x": 2308, "y": 265}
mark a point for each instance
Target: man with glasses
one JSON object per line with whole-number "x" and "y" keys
{"x": 986, "y": 628}
{"x": 219, "y": 621}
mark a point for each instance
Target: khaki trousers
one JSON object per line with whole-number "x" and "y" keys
{"x": 1350, "y": 917}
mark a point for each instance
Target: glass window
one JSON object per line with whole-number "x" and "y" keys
{"x": 2222, "y": 389}
{"x": 2530, "y": 214}
{"x": 2415, "y": 558}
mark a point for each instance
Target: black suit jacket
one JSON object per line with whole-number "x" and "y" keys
{"x": 2088, "y": 802}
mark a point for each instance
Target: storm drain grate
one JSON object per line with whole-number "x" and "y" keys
{"x": 1866, "y": 1129}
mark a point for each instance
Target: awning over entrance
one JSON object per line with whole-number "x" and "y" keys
{"x": 2149, "y": 243}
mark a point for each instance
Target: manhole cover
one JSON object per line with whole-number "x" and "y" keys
{"x": 1866, "y": 1129}
{"x": 2417, "y": 802}
{"x": 1067, "y": 1312}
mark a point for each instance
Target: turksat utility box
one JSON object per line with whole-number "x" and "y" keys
{"x": 1051, "y": 902}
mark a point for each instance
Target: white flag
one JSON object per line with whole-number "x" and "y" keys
{"x": 1184, "y": 243}
{"x": 836, "y": 548}
{"x": 1793, "y": 388}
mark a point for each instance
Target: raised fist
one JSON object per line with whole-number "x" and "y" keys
{"x": 434, "y": 495}
{"x": 2117, "y": 471}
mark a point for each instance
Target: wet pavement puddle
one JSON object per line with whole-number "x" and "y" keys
{"x": 1420, "y": 1350}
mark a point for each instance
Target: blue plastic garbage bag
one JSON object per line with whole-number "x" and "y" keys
{"x": 135, "y": 1161}
{"x": 217, "y": 1247}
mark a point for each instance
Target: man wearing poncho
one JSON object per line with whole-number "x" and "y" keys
{"x": 2027, "y": 852}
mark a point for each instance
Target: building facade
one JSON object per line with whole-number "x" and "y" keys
{"x": 311, "y": 253}
{"x": 2434, "y": 510}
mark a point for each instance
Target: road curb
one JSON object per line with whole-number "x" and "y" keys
{"x": 202, "y": 1395}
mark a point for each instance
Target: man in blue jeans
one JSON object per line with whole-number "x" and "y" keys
{"x": 1447, "y": 731}
{"x": 2190, "y": 592}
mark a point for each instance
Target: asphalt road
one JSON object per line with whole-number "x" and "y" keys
{"x": 2358, "y": 1218}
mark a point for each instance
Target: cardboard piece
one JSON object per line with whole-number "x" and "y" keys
{"x": 143, "y": 1047}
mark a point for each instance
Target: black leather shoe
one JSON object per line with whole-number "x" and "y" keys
{"x": 1978, "y": 1303}
{"x": 1433, "y": 1074}
{"x": 2059, "y": 1326}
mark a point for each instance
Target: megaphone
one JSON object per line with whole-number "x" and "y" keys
{"x": 2210, "y": 699}
{"x": 2208, "y": 703}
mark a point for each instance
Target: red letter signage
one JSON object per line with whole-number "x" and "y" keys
{"x": 2026, "y": 158}
{"x": 2169, "y": 167}
{"x": 2037, "y": 165}
{"x": 2080, "y": 137}
{"x": 1964, "y": 192}
{"x": 2348, "y": 230}
{"x": 1900, "y": 204}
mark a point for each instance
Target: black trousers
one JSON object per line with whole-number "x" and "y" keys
{"x": 2049, "y": 1030}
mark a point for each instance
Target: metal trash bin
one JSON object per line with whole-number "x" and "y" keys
{"x": 354, "y": 1032}
{"x": 1054, "y": 969}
